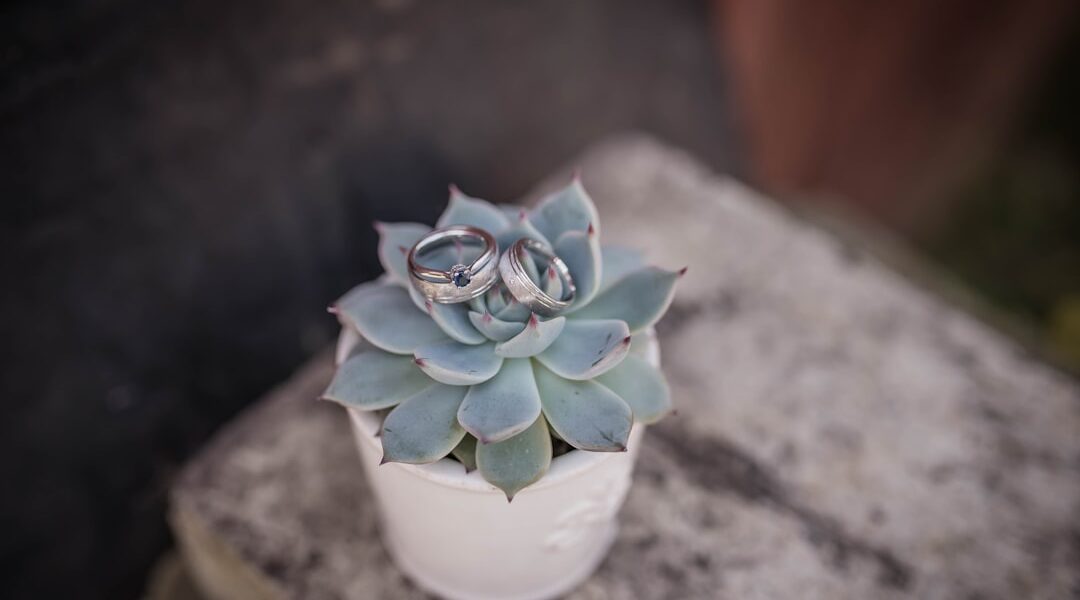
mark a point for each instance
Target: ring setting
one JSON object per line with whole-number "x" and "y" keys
{"x": 461, "y": 282}
{"x": 460, "y": 275}
{"x": 526, "y": 291}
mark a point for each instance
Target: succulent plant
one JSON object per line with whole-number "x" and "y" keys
{"x": 489, "y": 382}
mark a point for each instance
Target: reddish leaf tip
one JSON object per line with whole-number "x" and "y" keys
{"x": 455, "y": 190}
{"x": 551, "y": 272}
{"x": 419, "y": 361}
{"x": 533, "y": 321}
{"x": 683, "y": 270}
{"x": 591, "y": 230}
{"x": 577, "y": 175}
{"x": 332, "y": 309}
{"x": 626, "y": 340}
{"x": 403, "y": 249}
{"x": 486, "y": 318}
{"x": 522, "y": 215}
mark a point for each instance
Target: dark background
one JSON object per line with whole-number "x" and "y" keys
{"x": 187, "y": 185}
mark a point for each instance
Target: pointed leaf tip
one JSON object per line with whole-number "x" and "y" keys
{"x": 419, "y": 361}
{"x": 642, "y": 386}
{"x": 586, "y": 348}
{"x": 580, "y": 250}
{"x": 493, "y": 328}
{"x": 683, "y": 270}
{"x": 585, "y": 414}
{"x": 518, "y": 462}
{"x": 463, "y": 209}
{"x": 332, "y": 309}
{"x": 372, "y": 379}
{"x": 377, "y": 226}
{"x": 640, "y": 298}
{"x": 454, "y": 363}
{"x": 537, "y": 337}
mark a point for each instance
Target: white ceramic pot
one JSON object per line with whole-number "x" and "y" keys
{"x": 456, "y": 536}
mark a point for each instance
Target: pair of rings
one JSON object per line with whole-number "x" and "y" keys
{"x": 463, "y": 282}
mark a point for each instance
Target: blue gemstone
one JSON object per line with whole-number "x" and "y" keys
{"x": 460, "y": 276}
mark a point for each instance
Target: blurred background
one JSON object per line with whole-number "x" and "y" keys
{"x": 187, "y": 185}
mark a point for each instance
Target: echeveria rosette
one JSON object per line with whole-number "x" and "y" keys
{"x": 487, "y": 380}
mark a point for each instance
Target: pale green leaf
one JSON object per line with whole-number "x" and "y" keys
{"x": 517, "y": 230}
{"x": 495, "y": 329}
{"x": 465, "y": 210}
{"x": 384, "y": 315}
{"x": 642, "y": 386}
{"x": 518, "y": 462}
{"x": 465, "y": 452}
{"x": 580, "y": 250}
{"x": 424, "y": 427}
{"x": 587, "y": 415}
{"x": 639, "y": 298}
{"x": 502, "y": 406}
{"x": 395, "y": 241}
{"x": 454, "y": 363}
{"x": 587, "y": 348}
{"x": 569, "y": 209}
{"x": 372, "y": 379}
{"x": 533, "y": 339}
{"x": 618, "y": 262}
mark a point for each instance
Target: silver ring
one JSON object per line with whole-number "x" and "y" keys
{"x": 524, "y": 289}
{"x": 459, "y": 283}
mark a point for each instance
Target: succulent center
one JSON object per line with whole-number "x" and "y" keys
{"x": 460, "y": 275}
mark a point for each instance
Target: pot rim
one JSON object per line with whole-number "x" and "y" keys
{"x": 451, "y": 473}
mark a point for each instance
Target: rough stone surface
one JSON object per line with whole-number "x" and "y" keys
{"x": 841, "y": 433}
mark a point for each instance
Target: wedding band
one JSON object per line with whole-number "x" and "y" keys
{"x": 459, "y": 283}
{"x": 524, "y": 289}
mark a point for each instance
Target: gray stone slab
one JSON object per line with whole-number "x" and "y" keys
{"x": 841, "y": 433}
